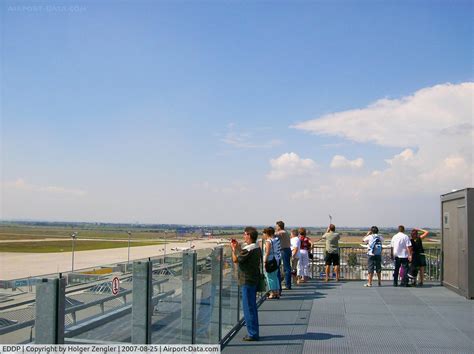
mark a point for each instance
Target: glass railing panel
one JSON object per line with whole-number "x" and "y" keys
{"x": 167, "y": 299}
{"x": 94, "y": 312}
{"x": 99, "y": 309}
{"x": 207, "y": 296}
{"x": 17, "y": 323}
{"x": 230, "y": 293}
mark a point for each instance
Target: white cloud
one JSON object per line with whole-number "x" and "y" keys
{"x": 290, "y": 164}
{"x": 21, "y": 184}
{"x": 439, "y": 110}
{"x": 305, "y": 194}
{"x": 339, "y": 161}
{"x": 434, "y": 132}
{"x": 321, "y": 192}
{"x": 248, "y": 140}
{"x": 434, "y": 129}
{"x": 232, "y": 188}
{"x": 405, "y": 156}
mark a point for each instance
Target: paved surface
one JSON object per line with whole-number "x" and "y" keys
{"x": 345, "y": 317}
{"x": 22, "y": 265}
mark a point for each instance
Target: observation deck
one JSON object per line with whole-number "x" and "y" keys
{"x": 346, "y": 317}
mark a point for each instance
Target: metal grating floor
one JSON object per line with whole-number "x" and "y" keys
{"x": 345, "y": 317}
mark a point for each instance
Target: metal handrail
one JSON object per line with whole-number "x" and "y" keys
{"x": 349, "y": 272}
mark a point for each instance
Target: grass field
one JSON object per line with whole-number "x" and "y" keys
{"x": 38, "y": 232}
{"x": 33, "y": 237}
{"x": 66, "y": 246}
{"x": 13, "y": 237}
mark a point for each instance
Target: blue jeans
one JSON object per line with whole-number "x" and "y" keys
{"x": 286, "y": 258}
{"x": 400, "y": 262}
{"x": 249, "y": 305}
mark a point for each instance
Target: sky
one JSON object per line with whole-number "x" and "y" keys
{"x": 235, "y": 112}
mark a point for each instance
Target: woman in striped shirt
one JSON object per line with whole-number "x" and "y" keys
{"x": 272, "y": 251}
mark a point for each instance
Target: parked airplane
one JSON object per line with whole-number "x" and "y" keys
{"x": 222, "y": 241}
{"x": 191, "y": 247}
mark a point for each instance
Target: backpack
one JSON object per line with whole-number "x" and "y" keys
{"x": 375, "y": 246}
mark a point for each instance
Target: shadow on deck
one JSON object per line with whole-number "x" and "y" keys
{"x": 345, "y": 317}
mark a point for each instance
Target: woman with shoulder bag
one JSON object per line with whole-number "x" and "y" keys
{"x": 271, "y": 260}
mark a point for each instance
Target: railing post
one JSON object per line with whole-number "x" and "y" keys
{"x": 342, "y": 255}
{"x": 188, "y": 298}
{"x": 440, "y": 265}
{"x": 429, "y": 265}
{"x": 216, "y": 295}
{"x": 49, "y": 324}
{"x": 239, "y": 295}
{"x": 234, "y": 294}
{"x": 142, "y": 306}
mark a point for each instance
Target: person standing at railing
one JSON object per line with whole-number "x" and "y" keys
{"x": 332, "y": 251}
{"x": 248, "y": 258}
{"x": 374, "y": 255}
{"x": 401, "y": 253}
{"x": 418, "y": 262}
{"x": 304, "y": 255}
{"x": 285, "y": 254}
{"x": 295, "y": 255}
{"x": 271, "y": 254}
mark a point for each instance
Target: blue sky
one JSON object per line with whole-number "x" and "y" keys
{"x": 173, "y": 111}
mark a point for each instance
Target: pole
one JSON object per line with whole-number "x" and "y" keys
{"x": 164, "y": 258}
{"x": 73, "y": 236}
{"x": 129, "y": 235}
{"x": 72, "y": 267}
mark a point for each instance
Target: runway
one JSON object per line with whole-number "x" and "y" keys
{"x": 22, "y": 265}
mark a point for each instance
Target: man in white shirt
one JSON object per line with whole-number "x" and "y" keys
{"x": 401, "y": 254}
